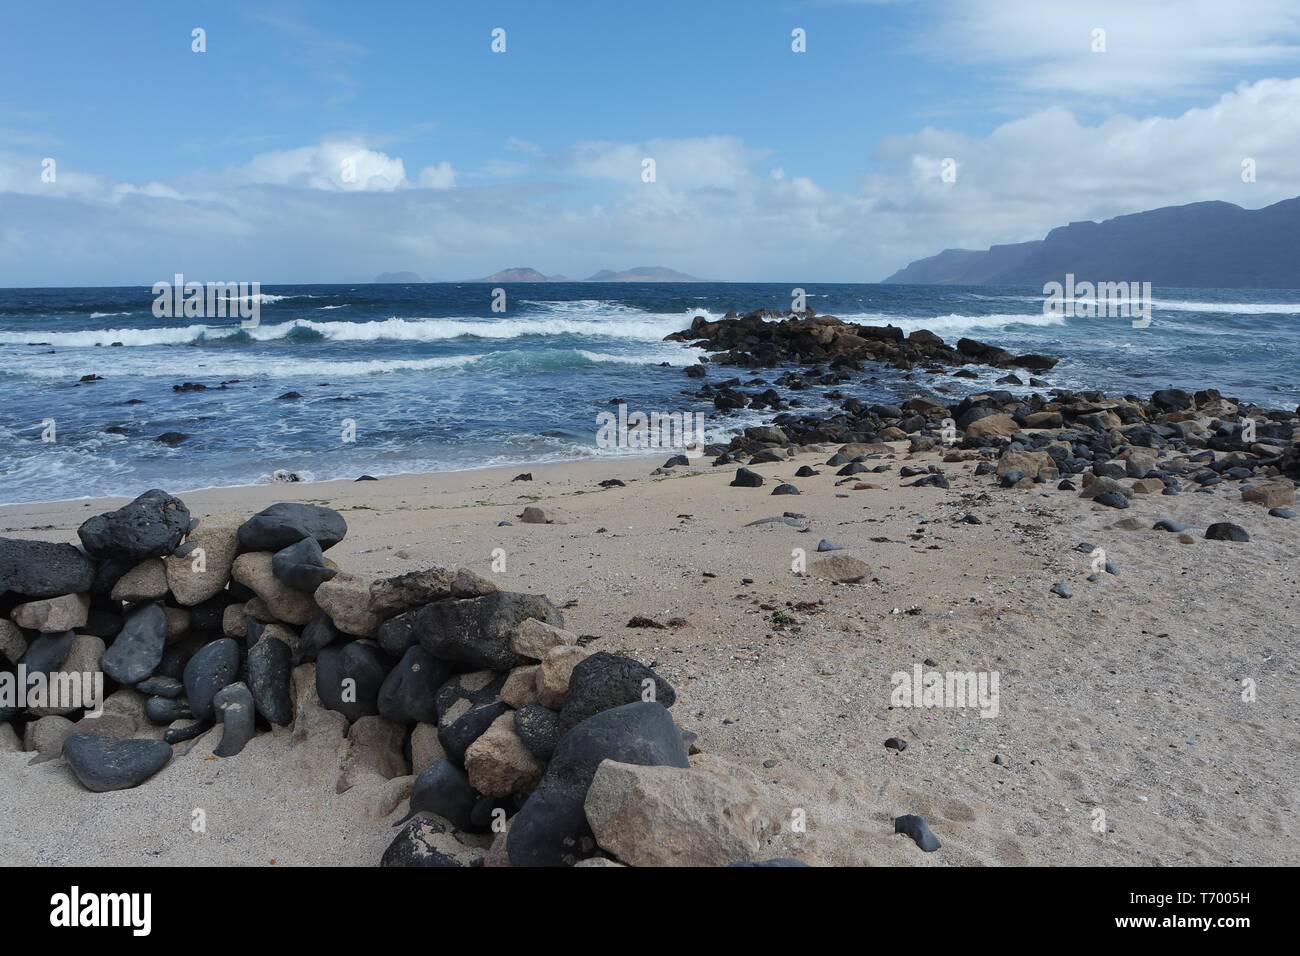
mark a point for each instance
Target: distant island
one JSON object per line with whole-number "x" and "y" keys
{"x": 635, "y": 274}
{"x": 1199, "y": 245}
{"x": 407, "y": 277}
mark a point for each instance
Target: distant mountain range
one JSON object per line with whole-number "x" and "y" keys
{"x": 1200, "y": 245}
{"x": 637, "y": 274}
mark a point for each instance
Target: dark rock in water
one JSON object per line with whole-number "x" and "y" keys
{"x": 1226, "y": 531}
{"x": 137, "y": 650}
{"x": 425, "y": 842}
{"x": 776, "y": 861}
{"x": 102, "y": 764}
{"x": 538, "y": 729}
{"x": 464, "y": 691}
{"x": 1112, "y": 499}
{"x": 408, "y": 694}
{"x": 444, "y": 789}
{"x": 212, "y": 667}
{"x": 172, "y": 438}
{"x": 1281, "y": 512}
{"x": 151, "y": 526}
{"x": 1062, "y": 589}
{"x": 1166, "y": 524}
{"x": 301, "y": 566}
{"x": 348, "y": 678}
{"x": 896, "y": 743}
{"x": 270, "y": 665}
{"x": 747, "y": 479}
{"x": 234, "y": 706}
{"x": 163, "y": 710}
{"x": 552, "y": 824}
{"x": 916, "y": 828}
{"x": 459, "y": 734}
{"x": 477, "y": 631}
{"x": 288, "y": 397}
{"x": 38, "y": 569}
{"x": 1171, "y": 400}
{"x": 785, "y": 489}
{"x": 286, "y": 523}
{"x": 603, "y": 681}
{"x": 826, "y": 544}
{"x": 806, "y": 472}
{"x": 319, "y": 633}
{"x": 157, "y": 686}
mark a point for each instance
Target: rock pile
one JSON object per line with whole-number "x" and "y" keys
{"x": 1106, "y": 448}
{"x": 518, "y": 745}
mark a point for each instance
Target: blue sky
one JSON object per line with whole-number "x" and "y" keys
{"x": 824, "y": 165}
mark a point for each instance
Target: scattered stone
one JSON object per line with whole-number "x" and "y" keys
{"x": 840, "y": 568}
{"x": 1226, "y": 531}
{"x": 147, "y": 581}
{"x": 425, "y": 842}
{"x": 747, "y": 479}
{"x": 301, "y": 566}
{"x": 151, "y": 526}
{"x": 785, "y": 489}
{"x": 552, "y": 824}
{"x": 1062, "y": 589}
{"x": 137, "y": 649}
{"x": 346, "y": 599}
{"x": 675, "y": 816}
{"x": 498, "y": 763}
{"x": 200, "y": 567}
{"x": 53, "y": 615}
{"x": 275, "y": 528}
{"x": 211, "y": 668}
{"x": 270, "y": 665}
{"x": 102, "y": 764}
{"x": 916, "y": 828}
{"x": 896, "y": 743}
{"x": 603, "y": 681}
{"x": 234, "y": 707}
{"x": 478, "y": 631}
{"x": 408, "y": 694}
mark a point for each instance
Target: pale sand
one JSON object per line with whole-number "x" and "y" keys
{"x": 1126, "y": 697}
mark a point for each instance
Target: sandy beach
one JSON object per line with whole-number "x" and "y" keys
{"x": 1124, "y": 698}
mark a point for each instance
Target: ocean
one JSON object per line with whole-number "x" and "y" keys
{"x": 430, "y": 378}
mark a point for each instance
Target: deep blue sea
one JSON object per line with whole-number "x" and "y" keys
{"x": 435, "y": 380}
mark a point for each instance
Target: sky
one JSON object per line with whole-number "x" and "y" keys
{"x": 331, "y": 141}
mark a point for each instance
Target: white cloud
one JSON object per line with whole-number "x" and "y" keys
{"x": 715, "y": 209}
{"x": 1152, "y": 47}
{"x": 441, "y": 176}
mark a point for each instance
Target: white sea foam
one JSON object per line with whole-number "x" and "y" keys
{"x": 642, "y": 328}
{"x": 953, "y": 323}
